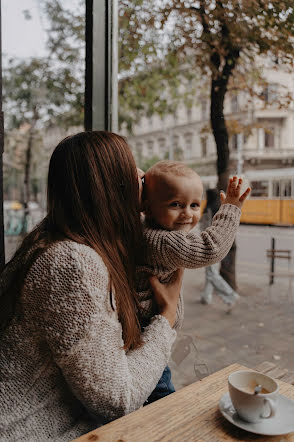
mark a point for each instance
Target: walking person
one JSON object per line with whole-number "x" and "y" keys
{"x": 214, "y": 282}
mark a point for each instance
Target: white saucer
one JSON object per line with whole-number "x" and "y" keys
{"x": 281, "y": 423}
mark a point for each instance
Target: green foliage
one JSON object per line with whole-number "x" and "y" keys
{"x": 43, "y": 92}
{"x": 50, "y": 89}
{"x": 146, "y": 163}
{"x": 163, "y": 45}
{"x": 36, "y": 90}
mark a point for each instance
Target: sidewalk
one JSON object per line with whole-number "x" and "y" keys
{"x": 260, "y": 328}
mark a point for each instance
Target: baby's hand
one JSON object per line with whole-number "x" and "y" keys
{"x": 233, "y": 193}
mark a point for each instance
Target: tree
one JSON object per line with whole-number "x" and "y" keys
{"x": 164, "y": 44}
{"x": 221, "y": 39}
{"x": 148, "y": 162}
{"x": 37, "y": 93}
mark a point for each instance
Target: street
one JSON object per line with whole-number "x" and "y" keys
{"x": 252, "y": 243}
{"x": 259, "y": 328}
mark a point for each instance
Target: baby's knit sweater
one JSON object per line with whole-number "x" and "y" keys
{"x": 169, "y": 250}
{"x": 63, "y": 370}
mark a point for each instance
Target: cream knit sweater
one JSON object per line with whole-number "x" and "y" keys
{"x": 63, "y": 370}
{"x": 169, "y": 250}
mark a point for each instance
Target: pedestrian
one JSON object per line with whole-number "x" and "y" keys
{"x": 214, "y": 282}
{"x": 72, "y": 353}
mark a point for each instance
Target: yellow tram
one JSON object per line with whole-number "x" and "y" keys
{"x": 272, "y": 197}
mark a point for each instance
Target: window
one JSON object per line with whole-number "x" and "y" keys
{"x": 162, "y": 146}
{"x": 176, "y": 140}
{"x": 189, "y": 113}
{"x": 234, "y": 104}
{"x": 150, "y": 145}
{"x": 259, "y": 189}
{"x": 204, "y": 146}
{"x": 270, "y": 93}
{"x": 188, "y": 142}
{"x": 235, "y": 142}
{"x": 286, "y": 187}
{"x": 269, "y": 137}
{"x": 139, "y": 152}
{"x": 203, "y": 109}
{"x": 276, "y": 188}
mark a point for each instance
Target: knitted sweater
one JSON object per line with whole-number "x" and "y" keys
{"x": 169, "y": 250}
{"x": 63, "y": 370}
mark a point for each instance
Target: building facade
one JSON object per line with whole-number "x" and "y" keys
{"x": 261, "y": 132}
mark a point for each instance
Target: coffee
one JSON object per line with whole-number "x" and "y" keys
{"x": 251, "y": 390}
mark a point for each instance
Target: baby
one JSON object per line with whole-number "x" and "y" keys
{"x": 171, "y": 202}
{"x": 172, "y": 197}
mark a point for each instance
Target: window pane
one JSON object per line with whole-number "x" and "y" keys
{"x": 286, "y": 188}
{"x": 259, "y": 188}
{"x": 43, "y": 101}
{"x": 276, "y": 189}
{"x": 269, "y": 137}
{"x": 204, "y": 146}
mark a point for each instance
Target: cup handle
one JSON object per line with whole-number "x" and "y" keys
{"x": 272, "y": 406}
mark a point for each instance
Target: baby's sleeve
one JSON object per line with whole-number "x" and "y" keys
{"x": 191, "y": 250}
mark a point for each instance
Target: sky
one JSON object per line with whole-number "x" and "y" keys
{"x": 22, "y": 38}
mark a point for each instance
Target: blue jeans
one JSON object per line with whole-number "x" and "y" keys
{"x": 163, "y": 388}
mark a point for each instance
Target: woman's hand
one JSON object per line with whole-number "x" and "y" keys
{"x": 167, "y": 295}
{"x": 233, "y": 193}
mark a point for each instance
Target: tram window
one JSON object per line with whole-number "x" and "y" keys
{"x": 286, "y": 188}
{"x": 276, "y": 189}
{"x": 259, "y": 188}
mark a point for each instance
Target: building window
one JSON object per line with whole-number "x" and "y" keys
{"x": 203, "y": 109}
{"x": 204, "y": 146}
{"x": 189, "y": 113}
{"x": 270, "y": 93}
{"x": 269, "y": 137}
{"x": 234, "y": 142}
{"x": 162, "y": 146}
{"x": 176, "y": 141}
{"x": 177, "y": 149}
{"x": 139, "y": 152}
{"x": 188, "y": 147}
{"x": 150, "y": 145}
{"x": 234, "y": 104}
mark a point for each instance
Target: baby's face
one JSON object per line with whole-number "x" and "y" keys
{"x": 173, "y": 202}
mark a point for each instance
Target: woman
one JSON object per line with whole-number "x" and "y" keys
{"x": 72, "y": 353}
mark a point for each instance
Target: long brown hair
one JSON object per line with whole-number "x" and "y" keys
{"x": 92, "y": 199}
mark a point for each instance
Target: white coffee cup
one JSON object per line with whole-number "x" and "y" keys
{"x": 253, "y": 407}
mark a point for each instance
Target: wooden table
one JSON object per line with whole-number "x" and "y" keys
{"x": 190, "y": 414}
